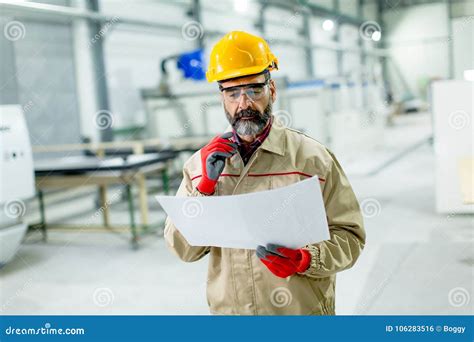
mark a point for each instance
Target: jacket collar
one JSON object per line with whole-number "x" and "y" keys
{"x": 276, "y": 139}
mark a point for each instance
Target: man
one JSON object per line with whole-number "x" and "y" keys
{"x": 256, "y": 154}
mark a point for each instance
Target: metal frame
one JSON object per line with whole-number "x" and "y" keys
{"x": 103, "y": 102}
{"x": 308, "y": 50}
{"x": 317, "y": 10}
{"x": 450, "y": 42}
{"x": 102, "y": 181}
{"x": 67, "y": 13}
{"x": 339, "y": 55}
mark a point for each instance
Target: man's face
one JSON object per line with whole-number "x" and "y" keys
{"x": 248, "y": 106}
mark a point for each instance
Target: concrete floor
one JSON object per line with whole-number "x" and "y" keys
{"x": 415, "y": 261}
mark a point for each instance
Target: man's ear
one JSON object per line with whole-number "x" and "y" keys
{"x": 273, "y": 91}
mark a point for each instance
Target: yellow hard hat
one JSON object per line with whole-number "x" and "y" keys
{"x": 239, "y": 54}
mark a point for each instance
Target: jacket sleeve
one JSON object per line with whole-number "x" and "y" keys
{"x": 174, "y": 239}
{"x": 346, "y": 227}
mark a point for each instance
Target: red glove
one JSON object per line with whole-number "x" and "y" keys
{"x": 213, "y": 157}
{"x": 282, "y": 261}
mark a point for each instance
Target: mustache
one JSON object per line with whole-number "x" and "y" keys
{"x": 248, "y": 113}
{"x": 255, "y": 120}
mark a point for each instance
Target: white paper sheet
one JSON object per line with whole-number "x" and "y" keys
{"x": 292, "y": 216}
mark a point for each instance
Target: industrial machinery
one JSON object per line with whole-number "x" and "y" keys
{"x": 191, "y": 108}
{"x": 16, "y": 179}
{"x": 452, "y": 104}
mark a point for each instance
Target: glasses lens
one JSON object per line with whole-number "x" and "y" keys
{"x": 232, "y": 95}
{"x": 254, "y": 92}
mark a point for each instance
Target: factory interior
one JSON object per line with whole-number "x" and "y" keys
{"x": 103, "y": 102}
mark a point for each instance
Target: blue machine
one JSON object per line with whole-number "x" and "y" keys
{"x": 192, "y": 64}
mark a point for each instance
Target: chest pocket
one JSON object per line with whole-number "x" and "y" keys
{"x": 284, "y": 179}
{"x": 255, "y": 182}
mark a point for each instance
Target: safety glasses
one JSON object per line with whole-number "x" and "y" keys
{"x": 253, "y": 91}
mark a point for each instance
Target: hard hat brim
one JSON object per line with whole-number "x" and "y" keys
{"x": 229, "y": 74}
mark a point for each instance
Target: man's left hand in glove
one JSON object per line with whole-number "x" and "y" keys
{"x": 284, "y": 262}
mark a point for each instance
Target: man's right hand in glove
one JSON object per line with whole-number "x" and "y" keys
{"x": 213, "y": 157}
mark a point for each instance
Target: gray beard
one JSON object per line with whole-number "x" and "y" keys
{"x": 248, "y": 127}
{"x": 251, "y": 127}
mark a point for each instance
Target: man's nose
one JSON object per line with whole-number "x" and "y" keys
{"x": 244, "y": 101}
